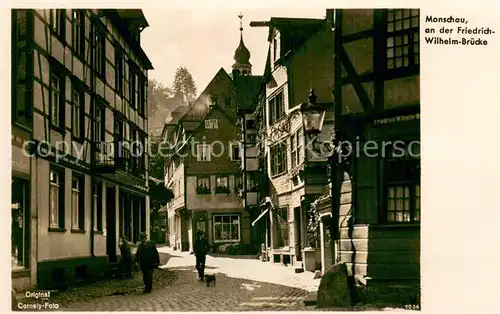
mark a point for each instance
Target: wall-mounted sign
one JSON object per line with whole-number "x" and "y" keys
{"x": 415, "y": 116}
{"x": 49, "y": 152}
{"x": 20, "y": 160}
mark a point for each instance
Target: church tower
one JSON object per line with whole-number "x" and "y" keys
{"x": 241, "y": 66}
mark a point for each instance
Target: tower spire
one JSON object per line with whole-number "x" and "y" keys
{"x": 242, "y": 65}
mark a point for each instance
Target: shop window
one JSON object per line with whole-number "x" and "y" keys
{"x": 226, "y": 228}
{"x": 402, "y": 188}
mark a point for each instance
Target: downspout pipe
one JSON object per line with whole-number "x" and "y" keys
{"x": 92, "y": 153}
{"x": 334, "y": 161}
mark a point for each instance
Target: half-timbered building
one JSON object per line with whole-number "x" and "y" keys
{"x": 79, "y": 102}
{"x": 299, "y": 58}
{"x": 377, "y": 101}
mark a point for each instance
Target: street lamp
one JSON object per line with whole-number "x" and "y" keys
{"x": 313, "y": 116}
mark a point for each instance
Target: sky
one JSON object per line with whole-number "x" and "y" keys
{"x": 205, "y": 40}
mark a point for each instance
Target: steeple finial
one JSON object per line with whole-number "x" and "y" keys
{"x": 242, "y": 66}
{"x": 240, "y": 16}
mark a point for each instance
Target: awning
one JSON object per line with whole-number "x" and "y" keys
{"x": 260, "y": 216}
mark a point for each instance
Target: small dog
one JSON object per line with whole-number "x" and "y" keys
{"x": 209, "y": 279}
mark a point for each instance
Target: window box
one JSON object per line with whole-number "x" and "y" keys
{"x": 203, "y": 190}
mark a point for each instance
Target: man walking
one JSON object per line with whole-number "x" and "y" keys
{"x": 148, "y": 258}
{"x": 126, "y": 260}
{"x": 200, "y": 251}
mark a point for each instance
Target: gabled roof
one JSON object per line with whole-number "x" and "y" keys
{"x": 190, "y": 126}
{"x": 123, "y": 18}
{"x": 267, "y": 69}
{"x": 212, "y": 109}
{"x": 199, "y": 108}
{"x": 199, "y": 124}
{"x": 195, "y": 112}
{"x": 177, "y": 114}
{"x": 293, "y": 31}
{"x": 247, "y": 88}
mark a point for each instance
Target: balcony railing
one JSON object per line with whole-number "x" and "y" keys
{"x": 111, "y": 157}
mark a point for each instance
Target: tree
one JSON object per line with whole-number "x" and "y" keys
{"x": 159, "y": 195}
{"x": 156, "y": 157}
{"x": 158, "y": 105}
{"x": 184, "y": 84}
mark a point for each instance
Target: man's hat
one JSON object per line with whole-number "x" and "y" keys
{"x": 143, "y": 236}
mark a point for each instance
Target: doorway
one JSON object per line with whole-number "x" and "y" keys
{"x": 298, "y": 233}
{"x": 111, "y": 224}
{"x": 20, "y": 223}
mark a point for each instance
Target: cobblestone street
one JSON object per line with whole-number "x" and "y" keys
{"x": 242, "y": 284}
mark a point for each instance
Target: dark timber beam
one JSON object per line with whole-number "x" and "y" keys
{"x": 356, "y": 83}
{"x": 357, "y": 36}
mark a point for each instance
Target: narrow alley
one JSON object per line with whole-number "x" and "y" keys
{"x": 242, "y": 284}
